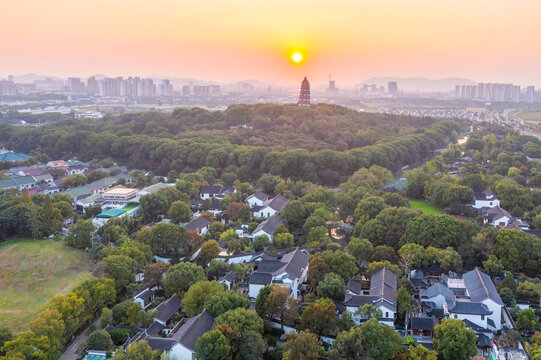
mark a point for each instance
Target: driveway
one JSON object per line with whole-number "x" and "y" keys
{"x": 71, "y": 351}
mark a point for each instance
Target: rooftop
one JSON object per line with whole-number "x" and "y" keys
{"x": 119, "y": 190}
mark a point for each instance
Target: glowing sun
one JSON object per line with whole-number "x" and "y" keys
{"x": 297, "y": 57}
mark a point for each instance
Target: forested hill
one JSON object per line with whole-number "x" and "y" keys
{"x": 324, "y": 143}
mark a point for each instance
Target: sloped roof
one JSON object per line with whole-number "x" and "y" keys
{"x": 354, "y": 286}
{"x": 15, "y": 181}
{"x": 229, "y": 277}
{"x": 484, "y": 195}
{"x": 111, "y": 213}
{"x": 497, "y": 213}
{"x": 189, "y": 332}
{"x": 277, "y": 203}
{"x": 481, "y": 287}
{"x": 257, "y": 278}
{"x": 168, "y": 307}
{"x": 359, "y": 300}
{"x": 11, "y": 156}
{"x": 197, "y": 223}
{"x": 438, "y": 289}
{"x": 260, "y": 195}
{"x": 423, "y": 323}
{"x": 269, "y": 225}
{"x": 145, "y": 294}
{"x": 384, "y": 284}
{"x": 473, "y": 308}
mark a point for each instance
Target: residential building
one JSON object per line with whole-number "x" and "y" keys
{"x": 119, "y": 195}
{"x": 215, "y": 191}
{"x": 270, "y": 207}
{"x": 18, "y": 182}
{"x": 383, "y": 289}
{"x": 268, "y": 227}
{"x": 257, "y": 199}
{"x": 166, "y": 310}
{"x": 198, "y": 224}
{"x": 144, "y": 297}
{"x": 287, "y": 269}
{"x": 485, "y": 199}
{"x": 497, "y": 216}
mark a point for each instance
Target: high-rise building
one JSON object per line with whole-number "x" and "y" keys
{"x": 200, "y": 90}
{"x": 392, "y": 88}
{"x": 332, "y": 86}
{"x": 10, "y": 78}
{"x": 166, "y": 89}
{"x": 76, "y": 85}
{"x": 304, "y": 95}
{"x": 530, "y": 94}
{"x": 457, "y": 91}
{"x": 92, "y": 86}
{"x": 186, "y": 90}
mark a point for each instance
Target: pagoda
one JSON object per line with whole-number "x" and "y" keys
{"x": 304, "y": 96}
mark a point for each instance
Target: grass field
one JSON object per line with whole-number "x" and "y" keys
{"x": 425, "y": 207}
{"x": 31, "y": 273}
{"x": 534, "y": 116}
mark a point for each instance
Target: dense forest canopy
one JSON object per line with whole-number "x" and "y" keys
{"x": 324, "y": 143}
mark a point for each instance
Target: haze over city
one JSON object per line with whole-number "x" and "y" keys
{"x": 238, "y": 40}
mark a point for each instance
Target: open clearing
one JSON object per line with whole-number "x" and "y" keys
{"x": 32, "y": 272}
{"x": 425, "y": 207}
{"x": 534, "y": 116}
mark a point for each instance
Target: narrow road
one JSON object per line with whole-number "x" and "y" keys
{"x": 71, "y": 351}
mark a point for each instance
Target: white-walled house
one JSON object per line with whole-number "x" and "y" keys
{"x": 383, "y": 289}
{"x": 497, "y": 216}
{"x": 215, "y": 191}
{"x": 438, "y": 294}
{"x": 257, "y": 199}
{"x": 144, "y": 297}
{"x": 268, "y": 227}
{"x": 475, "y": 312}
{"x": 485, "y": 199}
{"x": 270, "y": 207}
{"x": 481, "y": 289}
{"x": 289, "y": 269}
{"x": 198, "y": 224}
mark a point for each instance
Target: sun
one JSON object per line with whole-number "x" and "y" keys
{"x": 296, "y": 57}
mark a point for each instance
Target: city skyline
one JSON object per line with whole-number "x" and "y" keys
{"x": 352, "y": 40}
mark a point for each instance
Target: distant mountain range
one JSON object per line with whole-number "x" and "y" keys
{"x": 410, "y": 84}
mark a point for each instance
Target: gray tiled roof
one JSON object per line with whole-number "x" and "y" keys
{"x": 359, "y": 300}
{"x": 269, "y": 225}
{"x": 277, "y": 203}
{"x": 260, "y": 278}
{"x": 438, "y": 289}
{"x": 481, "y": 287}
{"x": 473, "y": 308}
{"x": 384, "y": 284}
{"x": 423, "y": 323}
{"x": 197, "y": 223}
{"x": 354, "y": 286}
{"x": 260, "y": 195}
{"x": 188, "y": 333}
{"x": 168, "y": 307}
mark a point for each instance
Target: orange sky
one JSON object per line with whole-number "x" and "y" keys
{"x": 227, "y": 40}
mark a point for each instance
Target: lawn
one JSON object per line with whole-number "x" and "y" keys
{"x": 425, "y": 207}
{"x": 34, "y": 271}
{"x": 534, "y": 116}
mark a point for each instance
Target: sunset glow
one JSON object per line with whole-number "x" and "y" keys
{"x": 353, "y": 40}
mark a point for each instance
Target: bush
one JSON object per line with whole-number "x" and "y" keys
{"x": 119, "y": 336}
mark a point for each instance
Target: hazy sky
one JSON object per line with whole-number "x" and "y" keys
{"x": 225, "y": 40}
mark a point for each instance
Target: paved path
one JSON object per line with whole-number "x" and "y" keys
{"x": 71, "y": 351}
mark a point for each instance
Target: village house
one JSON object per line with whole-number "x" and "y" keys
{"x": 215, "y": 191}
{"x": 257, "y": 199}
{"x": 268, "y": 227}
{"x": 144, "y": 297}
{"x": 383, "y": 289}
{"x": 497, "y": 216}
{"x": 18, "y": 182}
{"x": 485, "y": 199}
{"x": 270, "y": 207}
{"x": 288, "y": 269}
{"x": 198, "y": 224}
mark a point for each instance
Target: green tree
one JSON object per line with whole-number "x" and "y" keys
{"x": 340, "y": 263}
{"x": 212, "y": 345}
{"x": 243, "y": 320}
{"x": 370, "y": 206}
{"x": 419, "y": 352}
{"x": 527, "y": 320}
{"x": 181, "y": 276}
{"x": 403, "y": 298}
{"x": 303, "y": 346}
{"x": 168, "y": 240}
{"x": 332, "y": 286}
{"x": 280, "y": 303}
{"x": 317, "y": 268}
{"x": 224, "y": 301}
{"x": 283, "y": 240}
{"x": 261, "y": 299}
{"x": 154, "y": 273}
{"x": 122, "y": 269}
{"x": 140, "y": 350}
{"x": 452, "y": 340}
{"x": 106, "y": 318}
{"x": 361, "y": 249}
{"x": 99, "y": 340}
{"x": 194, "y": 299}
{"x": 261, "y": 242}
{"x": 209, "y": 250}
{"x": 319, "y": 317}
{"x": 294, "y": 214}
{"x": 80, "y": 234}
{"x": 179, "y": 211}
{"x": 5, "y": 335}
{"x": 49, "y": 324}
